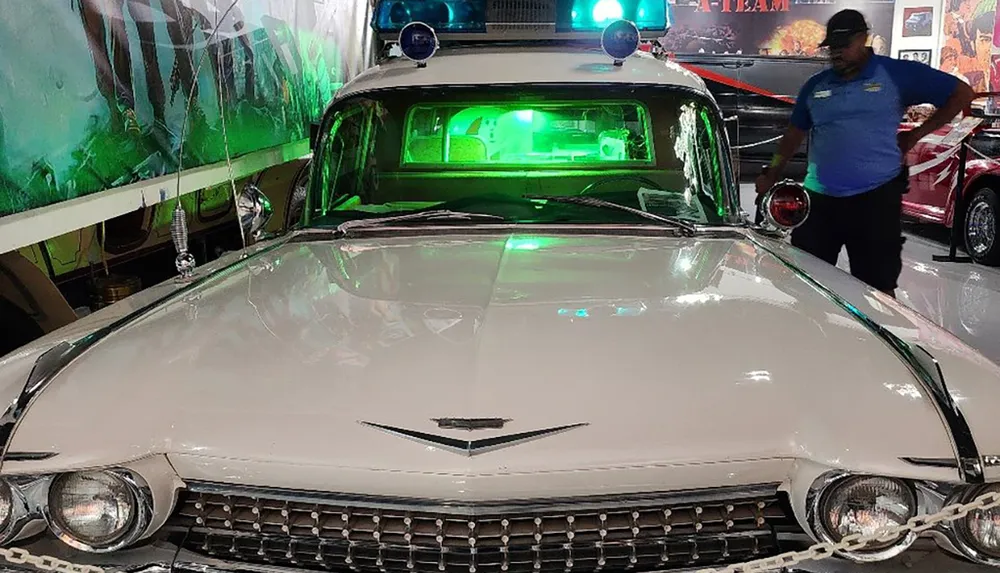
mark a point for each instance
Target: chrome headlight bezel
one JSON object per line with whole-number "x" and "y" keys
{"x": 957, "y": 532}
{"x": 142, "y": 500}
{"x": 820, "y": 492}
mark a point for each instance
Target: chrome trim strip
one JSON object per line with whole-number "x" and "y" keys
{"x": 932, "y": 462}
{"x": 29, "y": 456}
{"x": 970, "y": 465}
{"x": 57, "y": 358}
{"x": 462, "y": 507}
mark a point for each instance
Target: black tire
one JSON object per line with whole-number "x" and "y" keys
{"x": 18, "y": 327}
{"x": 980, "y": 228}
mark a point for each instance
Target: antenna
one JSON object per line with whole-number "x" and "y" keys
{"x": 185, "y": 261}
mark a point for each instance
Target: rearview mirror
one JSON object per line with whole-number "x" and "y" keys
{"x": 254, "y": 211}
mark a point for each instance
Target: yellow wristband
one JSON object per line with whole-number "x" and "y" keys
{"x": 775, "y": 161}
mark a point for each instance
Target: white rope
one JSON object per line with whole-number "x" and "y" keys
{"x": 765, "y": 142}
{"x": 981, "y": 155}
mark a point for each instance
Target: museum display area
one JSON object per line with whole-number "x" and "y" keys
{"x": 490, "y": 286}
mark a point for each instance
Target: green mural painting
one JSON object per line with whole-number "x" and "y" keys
{"x": 93, "y": 93}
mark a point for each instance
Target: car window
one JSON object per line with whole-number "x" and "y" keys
{"x": 457, "y": 135}
{"x": 484, "y": 149}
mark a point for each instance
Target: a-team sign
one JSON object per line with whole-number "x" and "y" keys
{"x": 745, "y": 6}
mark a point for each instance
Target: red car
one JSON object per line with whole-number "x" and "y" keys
{"x": 934, "y": 168}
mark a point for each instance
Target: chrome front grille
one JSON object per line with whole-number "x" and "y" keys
{"x": 327, "y": 533}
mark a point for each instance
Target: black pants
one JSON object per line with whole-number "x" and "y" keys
{"x": 868, "y": 224}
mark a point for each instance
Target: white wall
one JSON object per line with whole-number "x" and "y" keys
{"x": 931, "y": 42}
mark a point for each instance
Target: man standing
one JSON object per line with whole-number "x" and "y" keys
{"x": 856, "y": 177}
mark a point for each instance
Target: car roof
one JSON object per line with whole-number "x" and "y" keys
{"x": 523, "y": 65}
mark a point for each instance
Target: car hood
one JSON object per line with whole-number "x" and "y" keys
{"x": 659, "y": 352}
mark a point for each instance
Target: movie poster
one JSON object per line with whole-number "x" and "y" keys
{"x": 967, "y": 40}
{"x": 768, "y": 27}
{"x": 993, "y": 103}
{"x": 93, "y": 93}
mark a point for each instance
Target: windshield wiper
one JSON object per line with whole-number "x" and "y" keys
{"x": 436, "y": 215}
{"x": 688, "y": 228}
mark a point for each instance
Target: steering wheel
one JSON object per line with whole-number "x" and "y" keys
{"x": 646, "y": 181}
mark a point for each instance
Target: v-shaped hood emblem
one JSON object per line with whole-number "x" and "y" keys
{"x": 472, "y": 447}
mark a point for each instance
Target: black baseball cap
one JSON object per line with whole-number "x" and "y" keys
{"x": 843, "y": 26}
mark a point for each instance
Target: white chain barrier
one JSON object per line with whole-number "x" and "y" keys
{"x": 858, "y": 541}
{"x": 917, "y": 524}
{"x": 18, "y": 556}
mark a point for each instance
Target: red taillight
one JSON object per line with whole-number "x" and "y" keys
{"x": 787, "y": 205}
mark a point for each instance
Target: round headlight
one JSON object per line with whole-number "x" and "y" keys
{"x": 6, "y": 505}
{"x": 92, "y": 511}
{"x": 867, "y": 505}
{"x": 980, "y": 530}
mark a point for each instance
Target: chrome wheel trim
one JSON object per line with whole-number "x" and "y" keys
{"x": 980, "y": 228}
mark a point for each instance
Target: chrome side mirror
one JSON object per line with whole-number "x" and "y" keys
{"x": 785, "y": 206}
{"x": 254, "y": 211}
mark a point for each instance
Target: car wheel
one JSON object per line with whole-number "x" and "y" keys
{"x": 981, "y": 227}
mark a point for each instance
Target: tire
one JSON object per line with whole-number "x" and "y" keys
{"x": 980, "y": 229}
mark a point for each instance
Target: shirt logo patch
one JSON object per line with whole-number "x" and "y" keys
{"x": 873, "y": 87}
{"x": 821, "y": 94}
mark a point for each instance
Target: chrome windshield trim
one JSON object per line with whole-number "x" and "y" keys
{"x": 463, "y": 507}
{"x": 53, "y": 361}
{"x": 925, "y": 370}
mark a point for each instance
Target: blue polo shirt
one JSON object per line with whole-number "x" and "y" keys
{"x": 853, "y": 123}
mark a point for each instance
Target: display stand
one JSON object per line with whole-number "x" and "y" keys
{"x": 965, "y": 130}
{"x": 958, "y": 211}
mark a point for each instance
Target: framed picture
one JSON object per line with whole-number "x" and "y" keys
{"x": 922, "y": 56}
{"x": 918, "y": 22}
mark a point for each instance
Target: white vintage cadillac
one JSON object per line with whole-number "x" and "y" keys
{"x": 524, "y": 326}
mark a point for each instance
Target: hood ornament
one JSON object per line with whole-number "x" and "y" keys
{"x": 472, "y": 447}
{"x": 471, "y": 424}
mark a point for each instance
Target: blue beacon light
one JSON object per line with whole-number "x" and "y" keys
{"x": 620, "y": 40}
{"x": 418, "y": 42}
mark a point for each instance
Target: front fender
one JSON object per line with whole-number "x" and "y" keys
{"x": 972, "y": 379}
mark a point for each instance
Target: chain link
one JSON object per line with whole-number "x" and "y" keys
{"x": 19, "y": 556}
{"x": 858, "y": 541}
{"x": 855, "y": 542}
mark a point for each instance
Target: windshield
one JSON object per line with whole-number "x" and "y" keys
{"x": 503, "y": 150}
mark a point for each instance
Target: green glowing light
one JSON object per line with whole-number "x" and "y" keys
{"x": 575, "y": 15}
{"x": 582, "y": 312}
{"x": 606, "y": 10}
{"x": 642, "y": 12}
{"x": 498, "y": 134}
{"x": 522, "y": 244}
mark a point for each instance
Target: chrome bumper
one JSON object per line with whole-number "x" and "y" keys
{"x": 162, "y": 557}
